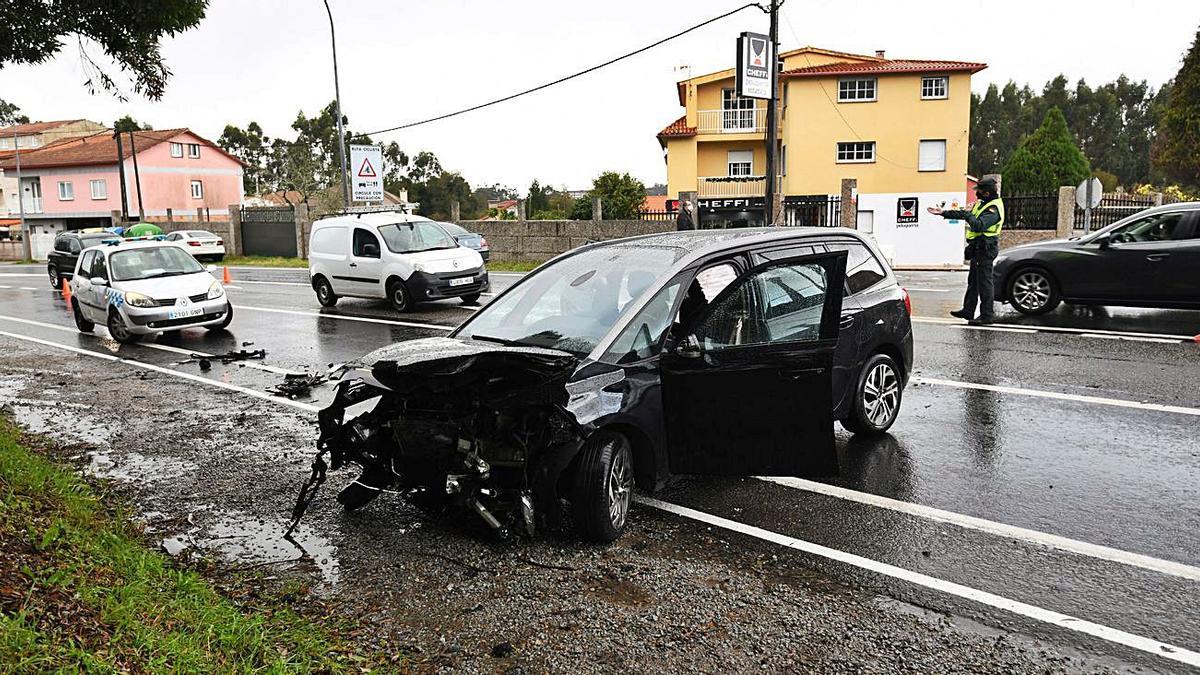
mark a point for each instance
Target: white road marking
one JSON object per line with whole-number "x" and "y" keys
{"x": 999, "y": 602}
{"x": 5, "y": 286}
{"x": 166, "y": 371}
{"x": 998, "y": 329}
{"x": 991, "y": 527}
{"x": 1090, "y": 332}
{"x": 153, "y": 345}
{"x": 29, "y": 288}
{"x": 14, "y": 274}
{"x": 272, "y": 283}
{"x": 365, "y": 319}
{"x": 1039, "y": 393}
{"x": 1066, "y": 621}
{"x": 927, "y": 290}
{"x": 1168, "y": 341}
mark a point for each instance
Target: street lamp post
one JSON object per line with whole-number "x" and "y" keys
{"x": 26, "y": 244}
{"x": 337, "y": 94}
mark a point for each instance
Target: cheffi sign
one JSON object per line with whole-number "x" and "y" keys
{"x": 754, "y": 65}
{"x": 366, "y": 173}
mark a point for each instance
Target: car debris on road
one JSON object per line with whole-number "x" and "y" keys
{"x": 295, "y": 385}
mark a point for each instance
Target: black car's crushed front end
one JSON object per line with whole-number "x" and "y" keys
{"x": 481, "y": 426}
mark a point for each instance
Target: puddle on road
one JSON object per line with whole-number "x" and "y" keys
{"x": 245, "y": 540}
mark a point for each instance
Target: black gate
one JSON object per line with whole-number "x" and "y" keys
{"x": 1031, "y": 211}
{"x": 269, "y": 231}
{"x": 1113, "y": 207}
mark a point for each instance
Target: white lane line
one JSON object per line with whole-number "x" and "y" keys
{"x": 998, "y": 329}
{"x": 991, "y": 527}
{"x": 1056, "y": 329}
{"x": 926, "y": 290}
{"x": 29, "y": 288}
{"x": 21, "y": 275}
{"x": 1037, "y": 613}
{"x": 152, "y": 345}
{"x": 364, "y": 319}
{"x": 1039, "y": 393}
{"x": 5, "y": 286}
{"x": 1060, "y": 620}
{"x": 1168, "y": 341}
{"x": 271, "y": 283}
{"x": 166, "y": 371}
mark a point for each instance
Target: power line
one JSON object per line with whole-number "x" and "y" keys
{"x": 568, "y": 77}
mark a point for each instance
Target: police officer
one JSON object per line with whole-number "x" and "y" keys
{"x": 984, "y": 221}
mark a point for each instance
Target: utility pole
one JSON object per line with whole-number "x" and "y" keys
{"x": 337, "y": 98}
{"x": 137, "y": 177}
{"x": 772, "y": 120}
{"x": 26, "y": 244}
{"x": 121, "y": 175}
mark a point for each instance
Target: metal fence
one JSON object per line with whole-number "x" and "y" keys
{"x": 1112, "y": 208}
{"x": 812, "y": 211}
{"x": 1031, "y": 211}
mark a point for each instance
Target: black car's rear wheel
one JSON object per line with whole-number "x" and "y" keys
{"x": 55, "y": 280}
{"x": 1033, "y": 291}
{"x": 876, "y": 398}
{"x": 603, "y": 487}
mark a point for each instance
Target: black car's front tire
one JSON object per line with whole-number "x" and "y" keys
{"x": 877, "y": 397}
{"x": 56, "y": 280}
{"x": 1032, "y": 290}
{"x": 603, "y": 487}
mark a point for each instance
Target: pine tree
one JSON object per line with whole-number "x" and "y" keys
{"x": 1046, "y": 159}
{"x": 1176, "y": 153}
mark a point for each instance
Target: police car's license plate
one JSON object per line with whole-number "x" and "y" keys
{"x": 185, "y": 313}
{"x": 462, "y": 281}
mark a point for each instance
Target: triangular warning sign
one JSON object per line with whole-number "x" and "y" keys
{"x": 366, "y": 170}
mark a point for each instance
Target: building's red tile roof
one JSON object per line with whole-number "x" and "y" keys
{"x": 677, "y": 128}
{"x": 885, "y": 67}
{"x": 34, "y": 127}
{"x": 99, "y": 148}
{"x": 506, "y": 204}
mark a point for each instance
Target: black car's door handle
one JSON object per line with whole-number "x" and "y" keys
{"x": 800, "y": 373}
{"x": 1155, "y": 257}
{"x": 847, "y": 321}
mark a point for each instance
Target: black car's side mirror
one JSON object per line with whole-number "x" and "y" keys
{"x": 688, "y": 347}
{"x": 1104, "y": 242}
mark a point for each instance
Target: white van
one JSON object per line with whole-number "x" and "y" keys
{"x": 404, "y": 258}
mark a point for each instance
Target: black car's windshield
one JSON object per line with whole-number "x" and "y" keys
{"x": 415, "y": 237}
{"x": 151, "y": 262}
{"x": 572, "y": 303}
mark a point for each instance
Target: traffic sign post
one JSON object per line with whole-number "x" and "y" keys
{"x": 366, "y": 173}
{"x": 1088, "y": 195}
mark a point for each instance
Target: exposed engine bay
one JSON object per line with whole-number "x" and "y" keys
{"x": 450, "y": 423}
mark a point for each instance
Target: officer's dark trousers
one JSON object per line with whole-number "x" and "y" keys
{"x": 981, "y": 287}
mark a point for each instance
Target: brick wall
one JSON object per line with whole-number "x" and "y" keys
{"x": 537, "y": 240}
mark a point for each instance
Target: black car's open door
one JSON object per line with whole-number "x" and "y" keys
{"x": 747, "y": 387}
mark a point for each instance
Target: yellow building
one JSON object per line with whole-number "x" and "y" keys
{"x": 899, "y": 127}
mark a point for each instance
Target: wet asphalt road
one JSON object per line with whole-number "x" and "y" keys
{"x": 1077, "y": 445}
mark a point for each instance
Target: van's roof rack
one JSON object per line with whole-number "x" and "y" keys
{"x": 406, "y": 209}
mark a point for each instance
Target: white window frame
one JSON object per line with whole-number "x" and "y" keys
{"x": 737, "y": 113}
{"x": 929, "y": 83}
{"x": 744, "y": 168}
{"x": 853, "y": 89}
{"x": 193, "y": 150}
{"x": 197, "y": 189}
{"x": 176, "y": 149}
{"x": 922, "y": 164}
{"x": 101, "y": 183}
{"x": 855, "y": 152}
{"x": 66, "y": 191}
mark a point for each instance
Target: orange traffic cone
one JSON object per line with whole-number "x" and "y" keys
{"x": 226, "y": 279}
{"x": 66, "y": 291}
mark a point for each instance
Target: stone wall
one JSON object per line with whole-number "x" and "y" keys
{"x": 537, "y": 240}
{"x": 1010, "y": 238}
{"x": 218, "y": 227}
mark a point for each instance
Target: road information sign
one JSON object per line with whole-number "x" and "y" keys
{"x": 754, "y": 65}
{"x": 366, "y": 173}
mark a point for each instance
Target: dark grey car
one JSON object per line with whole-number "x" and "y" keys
{"x": 465, "y": 237}
{"x": 1149, "y": 259}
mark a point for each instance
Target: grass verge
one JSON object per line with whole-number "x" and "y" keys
{"x": 81, "y": 592}
{"x": 263, "y": 261}
{"x": 513, "y": 265}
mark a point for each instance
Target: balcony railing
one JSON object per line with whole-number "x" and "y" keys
{"x": 722, "y": 186}
{"x": 33, "y": 204}
{"x": 749, "y": 121}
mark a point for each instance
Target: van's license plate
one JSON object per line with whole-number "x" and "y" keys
{"x": 185, "y": 313}
{"x": 462, "y": 281}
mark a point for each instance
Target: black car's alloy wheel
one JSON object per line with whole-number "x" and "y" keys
{"x": 55, "y": 280}
{"x": 325, "y": 294}
{"x": 1032, "y": 291}
{"x": 877, "y": 397}
{"x": 603, "y": 487}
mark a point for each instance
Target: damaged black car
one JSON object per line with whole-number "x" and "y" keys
{"x": 623, "y": 363}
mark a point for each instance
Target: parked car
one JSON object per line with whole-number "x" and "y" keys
{"x": 201, "y": 244}
{"x": 1149, "y": 259}
{"x": 465, "y": 237}
{"x": 417, "y": 261}
{"x": 145, "y": 287}
{"x": 61, "y": 261}
{"x": 721, "y": 352}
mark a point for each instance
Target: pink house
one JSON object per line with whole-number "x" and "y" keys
{"x": 76, "y": 183}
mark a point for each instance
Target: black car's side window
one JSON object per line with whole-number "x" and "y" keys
{"x": 862, "y": 269}
{"x": 85, "y": 264}
{"x": 643, "y": 336}
{"x": 62, "y": 244}
{"x": 784, "y": 303}
{"x": 75, "y": 246}
{"x": 1158, "y": 227}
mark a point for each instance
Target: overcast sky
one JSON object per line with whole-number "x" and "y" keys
{"x": 264, "y": 60}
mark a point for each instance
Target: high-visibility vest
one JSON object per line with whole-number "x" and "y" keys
{"x": 994, "y": 230}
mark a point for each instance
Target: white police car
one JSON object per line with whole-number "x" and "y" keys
{"x": 143, "y": 287}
